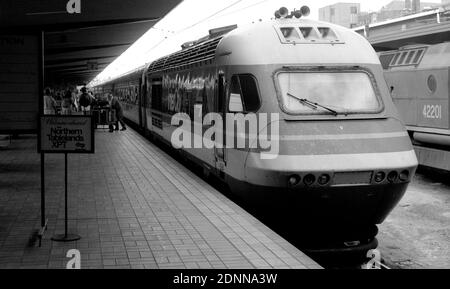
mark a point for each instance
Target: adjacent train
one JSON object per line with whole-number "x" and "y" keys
{"x": 343, "y": 158}
{"x": 419, "y": 79}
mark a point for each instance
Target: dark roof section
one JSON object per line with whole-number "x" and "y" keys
{"x": 78, "y": 46}
{"x": 192, "y": 52}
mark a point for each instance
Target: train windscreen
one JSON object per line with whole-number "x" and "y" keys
{"x": 344, "y": 92}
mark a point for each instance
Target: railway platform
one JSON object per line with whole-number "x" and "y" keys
{"x": 134, "y": 207}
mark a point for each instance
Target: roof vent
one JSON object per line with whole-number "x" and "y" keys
{"x": 309, "y": 33}
{"x": 327, "y": 33}
{"x": 290, "y": 34}
{"x": 293, "y": 35}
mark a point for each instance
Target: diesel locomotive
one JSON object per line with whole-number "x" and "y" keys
{"x": 418, "y": 77}
{"x": 343, "y": 157}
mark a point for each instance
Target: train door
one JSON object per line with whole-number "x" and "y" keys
{"x": 139, "y": 103}
{"x": 142, "y": 103}
{"x": 220, "y": 107}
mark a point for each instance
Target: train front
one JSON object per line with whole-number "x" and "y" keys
{"x": 343, "y": 158}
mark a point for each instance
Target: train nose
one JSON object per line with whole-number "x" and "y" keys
{"x": 332, "y": 170}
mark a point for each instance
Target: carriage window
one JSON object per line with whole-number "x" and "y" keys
{"x": 148, "y": 100}
{"x": 244, "y": 90}
{"x": 342, "y": 91}
{"x": 235, "y": 103}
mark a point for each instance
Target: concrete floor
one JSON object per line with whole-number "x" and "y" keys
{"x": 416, "y": 235}
{"x": 134, "y": 207}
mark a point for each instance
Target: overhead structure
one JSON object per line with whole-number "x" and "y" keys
{"x": 53, "y": 42}
{"x": 428, "y": 27}
{"x": 82, "y": 37}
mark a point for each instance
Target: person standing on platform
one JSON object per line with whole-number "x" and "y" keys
{"x": 49, "y": 102}
{"x": 115, "y": 104}
{"x": 67, "y": 103}
{"x": 75, "y": 97}
{"x": 85, "y": 100}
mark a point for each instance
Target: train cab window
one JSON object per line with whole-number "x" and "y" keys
{"x": 235, "y": 102}
{"x": 290, "y": 34}
{"x": 344, "y": 91}
{"x": 244, "y": 95}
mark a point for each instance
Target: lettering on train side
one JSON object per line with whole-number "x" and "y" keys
{"x": 182, "y": 89}
{"x": 432, "y": 111}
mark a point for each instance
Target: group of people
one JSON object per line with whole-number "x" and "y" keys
{"x": 70, "y": 101}
{"x": 67, "y": 101}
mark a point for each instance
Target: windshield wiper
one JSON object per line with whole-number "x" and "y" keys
{"x": 303, "y": 101}
{"x": 313, "y": 104}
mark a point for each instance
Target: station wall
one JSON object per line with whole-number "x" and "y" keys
{"x": 19, "y": 83}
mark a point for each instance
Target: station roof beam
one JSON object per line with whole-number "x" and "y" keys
{"x": 84, "y": 34}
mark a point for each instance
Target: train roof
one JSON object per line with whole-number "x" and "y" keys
{"x": 309, "y": 42}
{"x": 266, "y": 42}
{"x": 314, "y": 42}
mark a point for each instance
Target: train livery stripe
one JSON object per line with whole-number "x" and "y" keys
{"x": 321, "y": 144}
{"x": 318, "y": 137}
{"x": 342, "y": 136}
{"x": 322, "y": 147}
{"x": 353, "y": 162}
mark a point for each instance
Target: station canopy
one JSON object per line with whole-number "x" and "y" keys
{"x": 82, "y": 37}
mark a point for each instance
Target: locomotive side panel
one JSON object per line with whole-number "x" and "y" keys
{"x": 421, "y": 96}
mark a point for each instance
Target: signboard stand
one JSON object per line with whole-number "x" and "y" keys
{"x": 44, "y": 221}
{"x": 41, "y": 73}
{"x": 65, "y": 237}
{"x": 63, "y": 134}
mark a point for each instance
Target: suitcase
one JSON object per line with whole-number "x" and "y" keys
{"x": 103, "y": 116}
